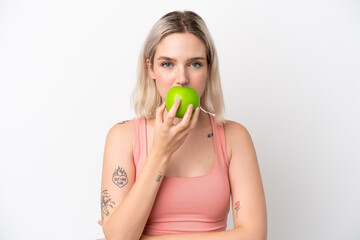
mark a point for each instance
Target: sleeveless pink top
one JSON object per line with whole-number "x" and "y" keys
{"x": 188, "y": 204}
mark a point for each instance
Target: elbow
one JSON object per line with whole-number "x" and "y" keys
{"x": 257, "y": 233}
{"x": 118, "y": 233}
{"x": 256, "y": 229}
{"x": 108, "y": 233}
{"x": 260, "y": 234}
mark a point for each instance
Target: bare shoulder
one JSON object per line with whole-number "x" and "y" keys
{"x": 119, "y": 138}
{"x": 237, "y": 137}
{"x": 235, "y": 130}
{"x": 121, "y": 130}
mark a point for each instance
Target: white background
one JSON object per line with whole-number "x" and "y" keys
{"x": 290, "y": 74}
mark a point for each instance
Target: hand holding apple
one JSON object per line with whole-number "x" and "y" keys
{"x": 168, "y": 137}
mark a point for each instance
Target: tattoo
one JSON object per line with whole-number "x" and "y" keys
{"x": 237, "y": 207}
{"x": 210, "y": 135}
{"x": 106, "y": 203}
{"x": 123, "y": 122}
{"x": 119, "y": 177}
{"x": 159, "y": 177}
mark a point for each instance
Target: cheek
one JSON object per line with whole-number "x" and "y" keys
{"x": 163, "y": 85}
{"x": 199, "y": 82}
{"x": 162, "y": 82}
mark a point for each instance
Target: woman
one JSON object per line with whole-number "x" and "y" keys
{"x": 170, "y": 178}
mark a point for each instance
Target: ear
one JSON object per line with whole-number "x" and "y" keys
{"x": 150, "y": 69}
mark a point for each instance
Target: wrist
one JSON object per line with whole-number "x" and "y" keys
{"x": 159, "y": 157}
{"x": 159, "y": 154}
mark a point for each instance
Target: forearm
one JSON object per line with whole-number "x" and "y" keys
{"x": 129, "y": 218}
{"x": 233, "y": 234}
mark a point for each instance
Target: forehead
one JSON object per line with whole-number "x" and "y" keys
{"x": 181, "y": 45}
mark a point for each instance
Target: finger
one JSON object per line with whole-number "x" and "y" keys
{"x": 159, "y": 114}
{"x": 186, "y": 119}
{"x": 170, "y": 117}
{"x": 195, "y": 118}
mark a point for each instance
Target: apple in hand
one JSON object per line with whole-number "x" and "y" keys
{"x": 188, "y": 96}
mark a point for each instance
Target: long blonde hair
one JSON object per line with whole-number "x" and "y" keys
{"x": 145, "y": 97}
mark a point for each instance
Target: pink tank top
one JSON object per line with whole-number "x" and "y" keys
{"x": 188, "y": 204}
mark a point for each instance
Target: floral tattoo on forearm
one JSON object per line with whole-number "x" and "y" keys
{"x": 106, "y": 203}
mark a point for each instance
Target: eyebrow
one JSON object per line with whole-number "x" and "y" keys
{"x": 174, "y": 60}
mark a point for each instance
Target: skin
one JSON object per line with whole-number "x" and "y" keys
{"x": 179, "y": 61}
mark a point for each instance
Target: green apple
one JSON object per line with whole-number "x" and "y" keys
{"x": 188, "y": 96}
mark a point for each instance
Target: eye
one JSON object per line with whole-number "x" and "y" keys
{"x": 166, "y": 64}
{"x": 196, "y": 64}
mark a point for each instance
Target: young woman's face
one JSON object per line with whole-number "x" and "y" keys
{"x": 180, "y": 60}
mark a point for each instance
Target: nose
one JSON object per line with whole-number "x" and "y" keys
{"x": 182, "y": 77}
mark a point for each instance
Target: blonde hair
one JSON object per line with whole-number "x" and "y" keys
{"x": 145, "y": 97}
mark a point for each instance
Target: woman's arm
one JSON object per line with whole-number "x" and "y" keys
{"x": 248, "y": 198}
{"x": 126, "y": 206}
{"x": 249, "y": 208}
{"x": 126, "y": 203}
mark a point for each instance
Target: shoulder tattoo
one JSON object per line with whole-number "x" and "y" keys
{"x": 122, "y": 122}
